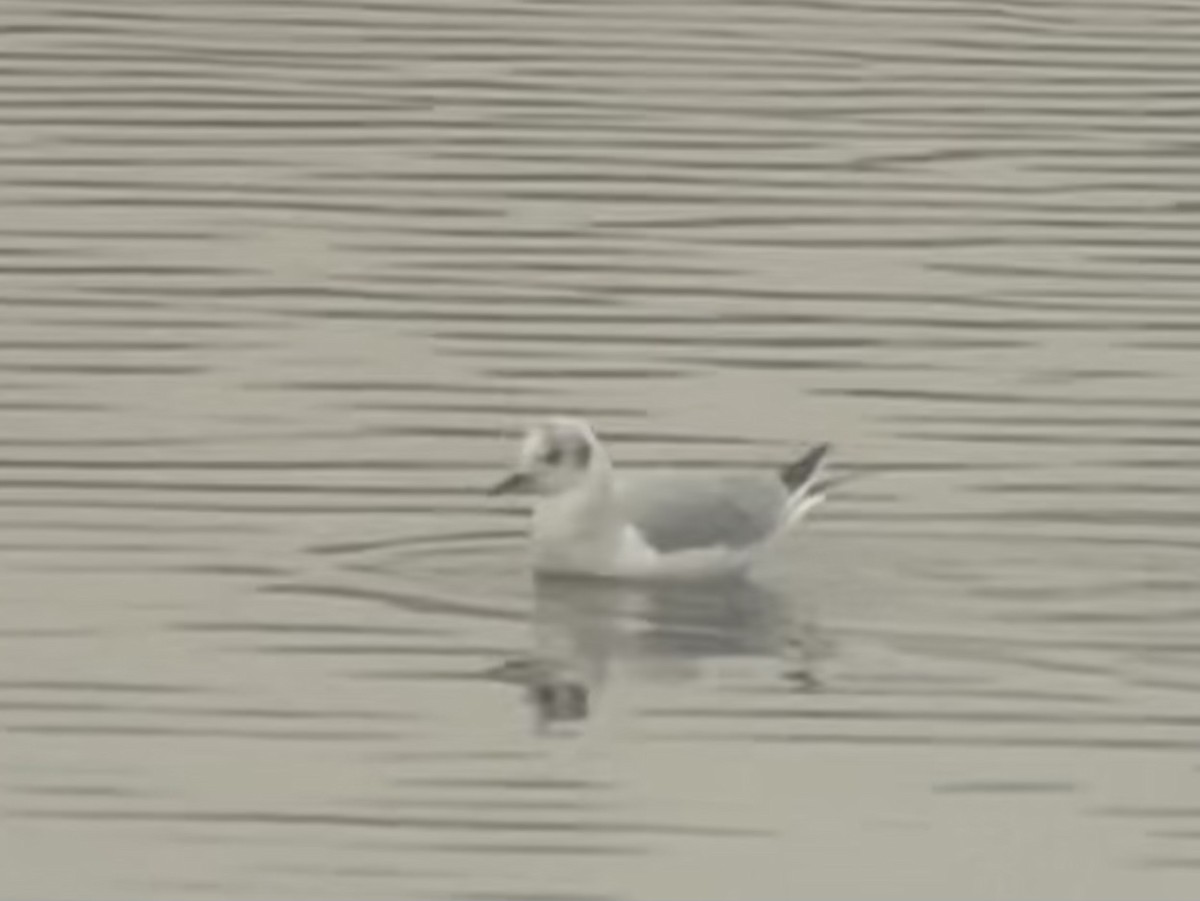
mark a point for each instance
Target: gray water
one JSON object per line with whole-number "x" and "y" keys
{"x": 280, "y": 282}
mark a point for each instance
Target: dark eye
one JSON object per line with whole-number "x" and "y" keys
{"x": 553, "y": 455}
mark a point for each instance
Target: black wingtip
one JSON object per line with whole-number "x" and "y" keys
{"x": 795, "y": 475}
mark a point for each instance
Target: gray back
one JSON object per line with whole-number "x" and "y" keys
{"x": 681, "y": 511}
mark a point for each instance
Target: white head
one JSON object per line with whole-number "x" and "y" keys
{"x": 556, "y": 455}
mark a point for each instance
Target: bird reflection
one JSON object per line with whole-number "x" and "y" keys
{"x": 582, "y": 628}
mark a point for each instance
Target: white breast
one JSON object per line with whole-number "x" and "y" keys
{"x": 572, "y": 532}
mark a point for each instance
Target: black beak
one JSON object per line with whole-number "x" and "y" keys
{"x": 516, "y": 482}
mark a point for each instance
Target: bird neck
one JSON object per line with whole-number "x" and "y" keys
{"x": 585, "y": 519}
{"x": 589, "y": 500}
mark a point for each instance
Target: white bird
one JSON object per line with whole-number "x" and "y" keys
{"x": 589, "y": 519}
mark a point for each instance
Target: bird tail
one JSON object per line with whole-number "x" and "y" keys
{"x": 804, "y": 489}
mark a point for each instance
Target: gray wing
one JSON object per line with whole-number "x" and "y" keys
{"x": 680, "y": 511}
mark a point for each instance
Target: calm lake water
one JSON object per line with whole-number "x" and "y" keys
{"x": 280, "y": 282}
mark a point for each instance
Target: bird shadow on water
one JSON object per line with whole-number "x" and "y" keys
{"x": 581, "y": 633}
{"x": 584, "y": 629}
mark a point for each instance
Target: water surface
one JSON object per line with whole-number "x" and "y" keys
{"x": 281, "y": 281}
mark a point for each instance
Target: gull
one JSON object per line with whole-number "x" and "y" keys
{"x": 591, "y": 519}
